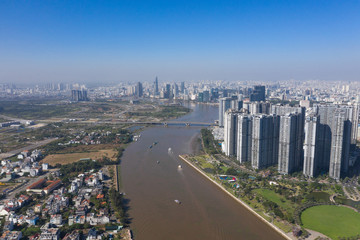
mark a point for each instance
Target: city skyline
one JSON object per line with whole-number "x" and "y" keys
{"x": 179, "y": 41}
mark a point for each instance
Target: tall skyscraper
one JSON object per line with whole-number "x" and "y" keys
{"x": 264, "y": 140}
{"x": 156, "y": 86}
{"x": 259, "y": 107}
{"x": 79, "y": 95}
{"x": 139, "y": 89}
{"x": 236, "y": 104}
{"x": 312, "y": 146}
{"x": 340, "y": 145}
{"x": 326, "y": 114}
{"x": 335, "y": 137}
{"x": 224, "y": 104}
{"x": 230, "y": 132}
{"x": 244, "y": 136}
{"x": 167, "y": 92}
{"x": 289, "y": 157}
{"x": 182, "y": 87}
{"x": 258, "y": 93}
{"x": 299, "y": 136}
{"x": 355, "y": 121}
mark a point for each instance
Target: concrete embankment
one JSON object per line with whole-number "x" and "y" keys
{"x": 236, "y": 199}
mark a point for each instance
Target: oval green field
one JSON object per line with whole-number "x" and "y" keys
{"x": 333, "y": 221}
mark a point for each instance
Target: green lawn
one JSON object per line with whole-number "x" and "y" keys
{"x": 203, "y": 162}
{"x": 333, "y": 221}
{"x": 274, "y": 197}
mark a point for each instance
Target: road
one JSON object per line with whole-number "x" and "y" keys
{"x": 29, "y": 147}
{"x": 31, "y": 181}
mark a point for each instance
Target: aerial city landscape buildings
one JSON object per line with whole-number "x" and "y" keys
{"x": 313, "y": 139}
{"x": 312, "y": 127}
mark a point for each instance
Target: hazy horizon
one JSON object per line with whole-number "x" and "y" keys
{"x": 129, "y": 41}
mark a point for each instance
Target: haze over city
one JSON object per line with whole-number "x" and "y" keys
{"x": 118, "y": 41}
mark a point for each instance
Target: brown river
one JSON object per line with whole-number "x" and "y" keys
{"x": 205, "y": 212}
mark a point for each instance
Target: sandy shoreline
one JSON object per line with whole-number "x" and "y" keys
{"x": 238, "y": 200}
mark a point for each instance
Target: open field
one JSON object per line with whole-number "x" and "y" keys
{"x": 274, "y": 197}
{"x": 86, "y": 148}
{"x": 333, "y": 221}
{"x": 67, "y": 158}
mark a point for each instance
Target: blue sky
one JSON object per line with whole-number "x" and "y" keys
{"x": 130, "y": 40}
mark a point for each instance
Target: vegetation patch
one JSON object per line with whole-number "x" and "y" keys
{"x": 333, "y": 221}
{"x": 209, "y": 144}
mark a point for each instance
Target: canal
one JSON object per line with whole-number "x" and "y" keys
{"x": 152, "y": 181}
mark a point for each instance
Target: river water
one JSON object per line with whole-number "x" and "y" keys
{"x": 205, "y": 212}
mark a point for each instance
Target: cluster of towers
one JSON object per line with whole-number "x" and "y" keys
{"x": 289, "y": 137}
{"x": 79, "y": 95}
{"x": 169, "y": 91}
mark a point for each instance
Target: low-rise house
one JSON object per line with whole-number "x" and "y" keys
{"x": 11, "y": 235}
{"x": 35, "y": 171}
{"x": 37, "y": 208}
{"x": 4, "y": 211}
{"x": 35, "y": 237}
{"x": 74, "y": 235}
{"x": 94, "y": 219}
{"x": 45, "y": 166}
{"x": 56, "y": 219}
{"x": 50, "y": 234}
{"x": 77, "y": 219}
{"x": 71, "y": 220}
{"x": 77, "y": 201}
{"x": 93, "y": 235}
{"x": 32, "y": 220}
{"x": 23, "y": 199}
{"x": 8, "y": 226}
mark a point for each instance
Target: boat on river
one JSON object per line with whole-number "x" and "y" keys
{"x": 150, "y": 146}
{"x": 177, "y": 201}
{"x": 179, "y": 166}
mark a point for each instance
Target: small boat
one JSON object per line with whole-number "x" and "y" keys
{"x": 155, "y": 143}
{"x": 179, "y": 166}
{"x": 177, "y": 201}
{"x": 169, "y": 149}
{"x": 150, "y": 146}
{"x": 158, "y": 162}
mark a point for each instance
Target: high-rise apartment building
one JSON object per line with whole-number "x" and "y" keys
{"x": 264, "y": 140}
{"x": 355, "y": 123}
{"x": 290, "y": 158}
{"x": 182, "y": 87}
{"x": 297, "y": 134}
{"x": 156, "y": 86}
{"x": 139, "y": 89}
{"x": 167, "y": 92}
{"x": 79, "y": 95}
{"x": 258, "y": 93}
{"x": 312, "y": 146}
{"x": 258, "y": 107}
{"x": 230, "y": 132}
{"x": 340, "y": 145}
{"x": 224, "y": 104}
{"x": 244, "y": 136}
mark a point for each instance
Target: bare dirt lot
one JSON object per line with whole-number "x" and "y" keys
{"x": 66, "y": 158}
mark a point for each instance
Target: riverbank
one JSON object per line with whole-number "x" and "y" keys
{"x": 236, "y": 199}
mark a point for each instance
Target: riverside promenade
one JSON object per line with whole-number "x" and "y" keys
{"x": 237, "y": 199}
